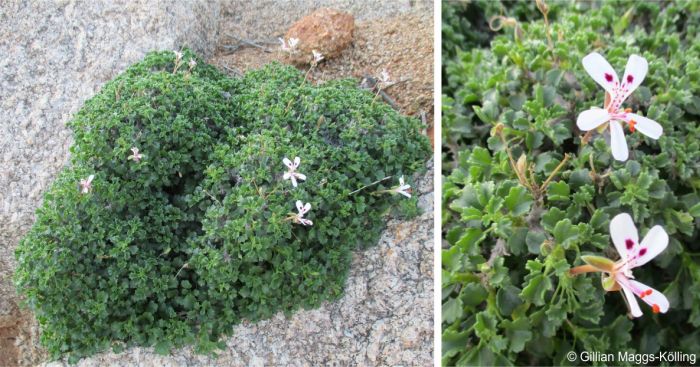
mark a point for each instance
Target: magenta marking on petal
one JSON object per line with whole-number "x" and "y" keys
{"x": 608, "y": 77}
{"x": 642, "y": 252}
{"x": 630, "y": 78}
{"x": 629, "y": 243}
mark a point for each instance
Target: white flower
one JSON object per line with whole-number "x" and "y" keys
{"x": 403, "y": 188}
{"x": 178, "y": 55}
{"x": 293, "y": 42}
{"x": 86, "y": 184}
{"x": 136, "y": 156}
{"x": 618, "y": 275}
{"x": 317, "y": 56}
{"x": 292, "y": 173}
{"x": 289, "y": 45}
{"x": 384, "y": 77}
{"x": 302, "y": 209}
{"x": 192, "y": 63}
{"x": 616, "y": 93}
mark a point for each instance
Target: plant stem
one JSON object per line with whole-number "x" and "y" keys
{"x": 554, "y": 173}
{"x": 583, "y": 269}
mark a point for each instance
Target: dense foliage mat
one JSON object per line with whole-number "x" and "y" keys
{"x": 197, "y": 229}
{"x": 526, "y": 194}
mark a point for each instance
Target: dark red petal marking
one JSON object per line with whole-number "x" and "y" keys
{"x": 648, "y": 292}
{"x": 608, "y": 77}
{"x": 642, "y": 252}
{"x": 629, "y": 243}
{"x": 630, "y": 78}
{"x": 655, "y": 308}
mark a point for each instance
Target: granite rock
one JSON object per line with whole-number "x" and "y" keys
{"x": 325, "y": 30}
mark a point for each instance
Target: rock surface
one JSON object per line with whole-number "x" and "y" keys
{"x": 55, "y": 55}
{"x": 325, "y": 30}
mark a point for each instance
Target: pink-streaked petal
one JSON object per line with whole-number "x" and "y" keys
{"x": 618, "y": 144}
{"x": 591, "y": 119}
{"x": 300, "y": 206}
{"x": 600, "y": 70}
{"x": 297, "y": 160}
{"x": 631, "y": 301}
{"x": 635, "y": 72}
{"x": 652, "y": 297}
{"x": 646, "y": 126}
{"x": 300, "y": 176}
{"x": 652, "y": 245}
{"x": 624, "y": 235}
{"x": 306, "y": 222}
{"x": 288, "y": 163}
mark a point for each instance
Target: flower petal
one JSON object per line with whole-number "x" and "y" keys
{"x": 287, "y": 163}
{"x": 590, "y": 119}
{"x": 652, "y": 244}
{"x": 404, "y": 193}
{"x": 287, "y": 175}
{"x": 632, "y": 304}
{"x": 300, "y": 206}
{"x": 300, "y": 176}
{"x": 600, "y": 70}
{"x": 652, "y": 297}
{"x": 646, "y": 126}
{"x": 297, "y": 160}
{"x": 294, "y": 180}
{"x": 307, "y": 207}
{"x": 624, "y": 235}
{"x": 618, "y": 144}
{"x": 635, "y": 72}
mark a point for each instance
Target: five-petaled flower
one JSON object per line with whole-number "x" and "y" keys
{"x": 633, "y": 254}
{"x": 86, "y": 184}
{"x": 136, "y": 156}
{"x": 302, "y": 209}
{"x": 292, "y": 173}
{"x": 616, "y": 93}
{"x": 403, "y": 188}
{"x": 289, "y": 45}
{"x": 317, "y": 57}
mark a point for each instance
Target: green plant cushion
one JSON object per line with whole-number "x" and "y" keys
{"x": 198, "y": 234}
{"x": 508, "y": 297}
